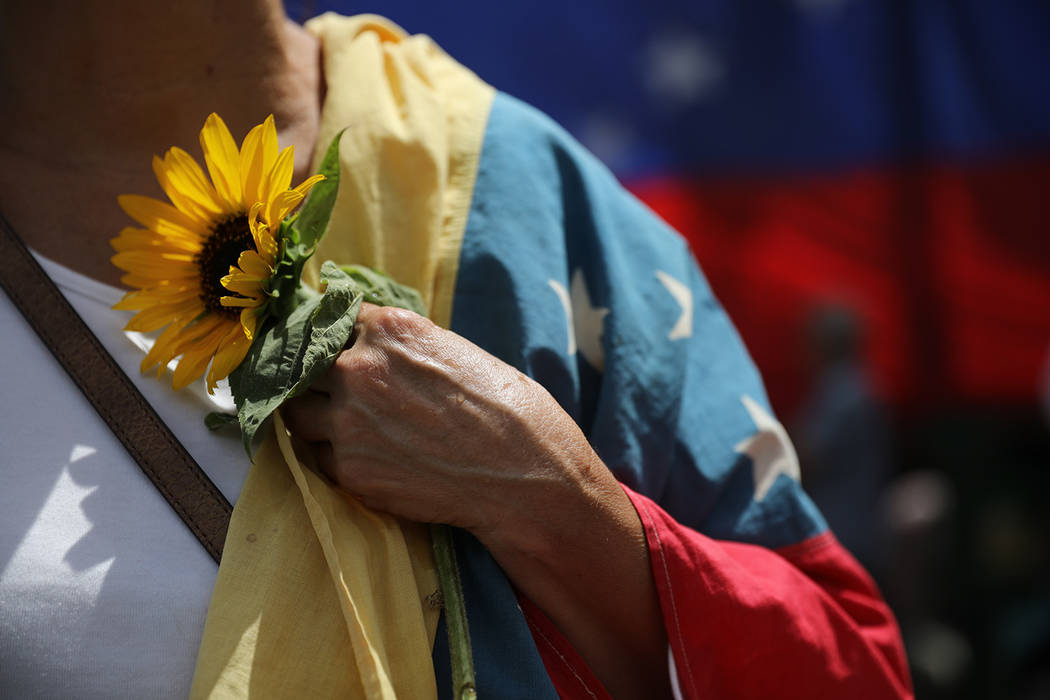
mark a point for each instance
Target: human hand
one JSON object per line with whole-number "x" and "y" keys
{"x": 419, "y": 422}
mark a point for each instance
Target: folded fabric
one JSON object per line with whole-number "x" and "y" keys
{"x": 317, "y": 596}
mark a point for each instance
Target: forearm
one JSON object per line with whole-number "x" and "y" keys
{"x": 580, "y": 555}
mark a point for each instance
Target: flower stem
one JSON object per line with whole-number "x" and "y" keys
{"x": 455, "y": 613}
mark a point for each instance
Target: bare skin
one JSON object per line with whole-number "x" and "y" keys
{"x": 413, "y": 419}
{"x": 120, "y": 81}
{"x": 419, "y": 422}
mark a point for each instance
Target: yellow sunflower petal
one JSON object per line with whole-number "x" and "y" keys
{"x": 201, "y": 328}
{"x": 306, "y": 185}
{"x": 195, "y": 356}
{"x": 166, "y": 346}
{"x": 169, "y": 293}
{"x": 249, "y": 319}
{"x": 240, "y": 302}
{"x": 258, "y": 153}
{"x": 251, "y": 165}
{"x": 255, "y": 213}
{"x": 160, "y": 217}
{"x": 223, "y": 160}
{"x": 138, "y": 281}
{"x": 191, "y": 181}
{"x": 232, "y": 349}
{"x": 147, "y": 283}
{"x": 142, "y": 239}
{"x": 283, "y": 203}
{"x": 265, "y": 242}
{"x": 192, "y": 365}
{"x": 279, "y": 178}
{"x": 159, "y": 266}
{"x": 245, "y": 286}
{"x": 143, "y": 299}
{"x": 170, "y": 182}
{"x": 254, "y": 265}
{"x": 160, "y": 315}
{"x": 128, "y": 302}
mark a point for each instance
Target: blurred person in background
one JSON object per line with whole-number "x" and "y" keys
{"x": 843, "y": 435}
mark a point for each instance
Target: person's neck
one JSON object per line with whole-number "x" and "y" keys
{"x": 93, "y": 90}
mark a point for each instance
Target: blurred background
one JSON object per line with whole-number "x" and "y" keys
{"x": 866, "y": 185}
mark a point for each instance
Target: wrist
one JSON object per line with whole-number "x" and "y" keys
{"x": 579, "y": 503}
{"x": 579, "y": 553}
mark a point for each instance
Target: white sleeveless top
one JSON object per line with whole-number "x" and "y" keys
{"x": 103, "y": 589}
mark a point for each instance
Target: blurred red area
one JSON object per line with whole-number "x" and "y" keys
{"x": 948, "y": 267}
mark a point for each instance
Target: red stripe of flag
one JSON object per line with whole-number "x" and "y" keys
{"x": 948, "y": 265}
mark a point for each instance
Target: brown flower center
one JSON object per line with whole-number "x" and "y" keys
{"x": 229, "y": 238}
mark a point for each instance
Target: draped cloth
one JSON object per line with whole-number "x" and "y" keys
{"x": 523, "y": 243}
{"x": 316, "y": 595}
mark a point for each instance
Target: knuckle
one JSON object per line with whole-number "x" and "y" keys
{"x": 372, "y": 373}
{"x": 395, "y": 322}
{"x": 363, "y": 365}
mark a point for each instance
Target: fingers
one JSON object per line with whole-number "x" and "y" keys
{"x": 307, "y": 416}
{"x": 326, "y": 382}
{"x": 324, "y": 456}
{"x": 325, "y": 461}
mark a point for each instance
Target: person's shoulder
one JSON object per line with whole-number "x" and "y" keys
{"x": 521, "y": 140}
{"x": 520, "y": 125}
{"x": 520, "y": 119}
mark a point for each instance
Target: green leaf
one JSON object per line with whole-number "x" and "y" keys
{"x": 291, "y": 352}
{"x": 310, "y": 223}
{"x": 217, "y": 419}
{"x": 300, "y": 233}
{"x": 381, "y": 289}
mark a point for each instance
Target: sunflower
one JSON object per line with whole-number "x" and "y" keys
{"x": 203, "y": 265}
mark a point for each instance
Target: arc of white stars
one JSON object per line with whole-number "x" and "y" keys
{"x": 683, "y": 327}
{"x": 770, "y": 449}
{"x": 584, "y": 321}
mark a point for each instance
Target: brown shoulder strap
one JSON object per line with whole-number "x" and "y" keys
{"x": 145, "y": 436}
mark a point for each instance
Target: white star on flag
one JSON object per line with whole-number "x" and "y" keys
{"x": 683, "y": 328}
{"x": 583, "y": 321}
{"x": 770, "y": 449}
{"x": 682, "y": 68}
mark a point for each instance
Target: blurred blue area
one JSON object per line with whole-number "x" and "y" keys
{"x": 669, "y": 87}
